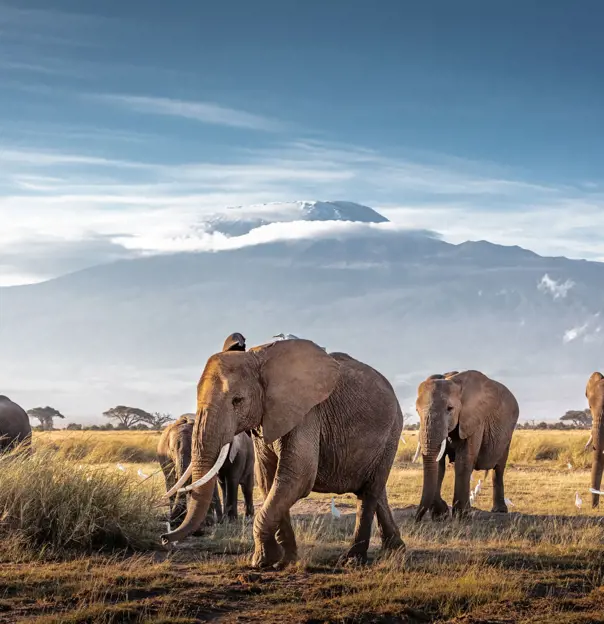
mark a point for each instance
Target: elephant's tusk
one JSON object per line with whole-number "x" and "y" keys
{"x": 596, "y": 491}
{"x": 187, "y": 473}
{"x": 442, "y": 449}
{"x": 211, "y": 473}
{"x": 417, "y": 452}
{"x": 589, "y": 441}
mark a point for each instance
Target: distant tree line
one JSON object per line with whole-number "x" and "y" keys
{"x": 125, "y": 418}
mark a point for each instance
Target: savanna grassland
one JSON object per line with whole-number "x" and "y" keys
{"x": 79, "y": 545}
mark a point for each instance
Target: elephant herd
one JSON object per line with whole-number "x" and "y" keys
{"x": 297, "y": 419}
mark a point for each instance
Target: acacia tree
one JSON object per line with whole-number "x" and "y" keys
{"x": 45, "y": 415}
{"x": 128, "y": 417}
{"x": 159, "y": 420}
{"x": 579, "y": 418}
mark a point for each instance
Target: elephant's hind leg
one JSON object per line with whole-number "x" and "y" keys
{"x": 391, "y": 537}
{"x": 499, "y": 505}
{"x": 367, "y": 503}
{"x": 248, "y": 495}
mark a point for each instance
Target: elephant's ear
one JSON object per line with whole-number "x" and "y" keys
{"x": 450, "y": 374}
{"x": 235, "y": 448}
{"x": 593, "y": 381}
{"x": 478, "y": 400}
{"x": 297, "y": 375}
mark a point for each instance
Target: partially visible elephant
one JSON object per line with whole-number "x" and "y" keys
{"x": 323, "y": 422}
{"x": 595, "y": 395}
{"x": 174, "y": 454}
{"x": 469, "y": 418}
{"x": 15, "y": 428}
{"x": 238, "y": 470}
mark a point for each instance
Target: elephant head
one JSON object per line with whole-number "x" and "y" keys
{"x": 442, "y": 411}
{"x": 595, "y": 395}
{"x": 234, "y": 342}
{"x": 271, "y": 387}
{"x": 178, "y": 443}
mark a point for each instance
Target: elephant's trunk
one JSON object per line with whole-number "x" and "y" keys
{"x": 429, "y": 488}
{"x": 204, "y": 459}
{"x": 597, "y": 464}
{"x": 432, "y": 440}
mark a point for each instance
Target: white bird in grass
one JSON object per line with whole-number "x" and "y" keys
{"x": 141, "y": 474}
{"x": 472, "y": 498}
{"x": 508, "y": 502}
{"x": 578, "y": 501}
{"x": 569, "y": 466}
{"x": 478, "y": 488}
{"x": 120, "y": 467}
{"x": 335, "y": 512}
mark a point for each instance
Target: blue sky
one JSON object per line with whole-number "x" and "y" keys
{"x": 476, "y": 119}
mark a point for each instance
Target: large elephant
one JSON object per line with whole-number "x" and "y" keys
{"x": 595, "y": 395}
{"x": 469, "y": 418}
{"x": 14, "y": 425}
{"x": 324, "y": 423}
{"x": 174, "y": 455}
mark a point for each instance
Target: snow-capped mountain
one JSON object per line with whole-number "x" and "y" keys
{"x": 239, "y": 220}
{"x": 140, "y": 331}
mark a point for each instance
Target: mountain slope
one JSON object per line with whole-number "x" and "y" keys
{"x": 140, "y": 331}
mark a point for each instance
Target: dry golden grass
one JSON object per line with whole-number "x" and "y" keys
{"x": 543, "y": 562}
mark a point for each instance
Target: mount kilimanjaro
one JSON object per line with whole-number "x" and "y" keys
{"x": 139, "y": 331}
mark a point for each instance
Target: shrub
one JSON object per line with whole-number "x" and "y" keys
{"x": 50, "y": 503}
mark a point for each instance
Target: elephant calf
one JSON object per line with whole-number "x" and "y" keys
{"x": 469, "y": 418}
{"x": 14, "y": 425}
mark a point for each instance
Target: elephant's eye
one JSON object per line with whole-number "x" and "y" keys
{"x": 449, "y": 408}
{"x": 237, "y": 401}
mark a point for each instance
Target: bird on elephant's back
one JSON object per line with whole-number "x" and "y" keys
{"x": 595, "y": 396}
{"x": 15, "y": 429}
{"x": 323, "y": 422}
{"x": 470, "y": 419}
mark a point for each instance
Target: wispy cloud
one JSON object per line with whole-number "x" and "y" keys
{"x": 558, "y": 290}
{"x": 154, "y": 207}
{"x": 203, "y": 112}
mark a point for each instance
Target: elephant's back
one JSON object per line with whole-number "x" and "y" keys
{"x": 360, "y": 424}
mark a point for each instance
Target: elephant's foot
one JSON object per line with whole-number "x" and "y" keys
{"x": 440, "y": 510}
{"x": 267, "y": 554}
{"x": 353, "y": 558}
{"x": 357, "y": 555}
{"x": 461, "y": 512}
{"x": 393, "y": 542}
{"x": 499, "y": 508}
{"x": 287, "y": 559}
{"x": 209, "y": 521}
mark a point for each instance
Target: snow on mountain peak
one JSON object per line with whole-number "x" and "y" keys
{"x": 240, "y": 220}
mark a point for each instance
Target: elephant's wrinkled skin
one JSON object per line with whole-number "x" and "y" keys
{"x": 174, "y": 455}
{"x": 476, "y": 416}
{"x": 595, "y": 395}
{"x": 327, "y": 423}
{"x": 14, "y": 425}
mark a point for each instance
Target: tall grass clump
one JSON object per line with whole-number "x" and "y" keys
{"x": 49, "y": 503}
{"x": 99, "y": 448}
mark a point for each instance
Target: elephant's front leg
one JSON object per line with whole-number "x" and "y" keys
{"x": 440, "y": 509}
{"x": 499, "y": 504}
{"x": 465, "y": 460}
{"x": 294, "y": 477}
